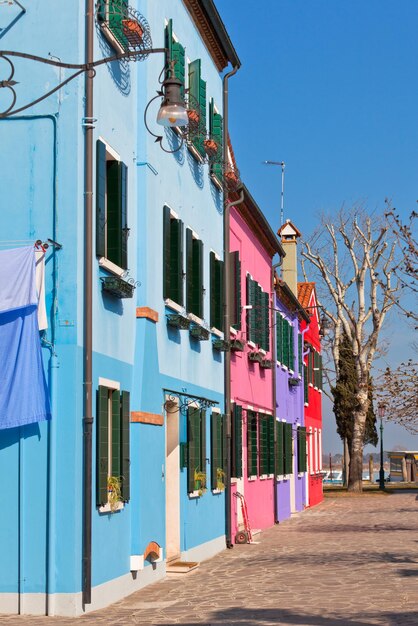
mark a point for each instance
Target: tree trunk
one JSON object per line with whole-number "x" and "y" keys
{"x": 355, "y": 480}
{"x": 346, "y": 462}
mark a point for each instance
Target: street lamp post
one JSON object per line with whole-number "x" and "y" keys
{"x": 381, "y": 413}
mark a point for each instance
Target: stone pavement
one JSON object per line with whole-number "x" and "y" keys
{"x": 351, "y": 560}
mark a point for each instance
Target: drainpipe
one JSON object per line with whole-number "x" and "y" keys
{"x": 227, "y": 315}
{"x": 274, "y": 386}
{"x": 88, "y": 348}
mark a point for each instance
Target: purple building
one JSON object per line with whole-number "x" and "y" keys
{"x": 291, "y": 484}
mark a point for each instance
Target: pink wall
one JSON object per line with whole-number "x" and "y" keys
{"x": 251, "y": 386}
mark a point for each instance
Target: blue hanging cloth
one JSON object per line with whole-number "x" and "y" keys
{"x": 24, "y": 397}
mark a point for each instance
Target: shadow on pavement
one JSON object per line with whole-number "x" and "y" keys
{"x": 269, "y": 617}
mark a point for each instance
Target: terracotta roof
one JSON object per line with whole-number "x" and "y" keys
{"x": 213, "y": 32}
{"x": 305, "y": 292}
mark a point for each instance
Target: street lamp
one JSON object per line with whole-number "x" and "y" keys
{"x": 381, "y": 412}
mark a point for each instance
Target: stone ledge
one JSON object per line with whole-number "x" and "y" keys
{"x": 147, "y": 313}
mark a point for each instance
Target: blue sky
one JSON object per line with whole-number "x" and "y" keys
{"x": 329, "y": 87}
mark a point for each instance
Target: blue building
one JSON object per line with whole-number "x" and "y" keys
{"x": 157, "y": 361}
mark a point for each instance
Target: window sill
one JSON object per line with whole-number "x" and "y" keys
{"x": 173, "y": 305}
{"x": 194, "y": 494}
{"x": 266, "y": 476}
{"x": 233, "y": 331}
{"x": 195, "y": 154}
{"x": 251, "y": 479}
{"x": 105, "y": 508}
{"x": 195, "y": 319}
{"x": 263, "y": 352}
{"x": 251, "y": 344}
{"x": 301, "y": 474}
{"x": 111, "y": 267}
{"x": 216, "y": 182}
{"x": 280, "y": 477}
{"x": 217, "y": 491}
{"x": 217, "y": 332}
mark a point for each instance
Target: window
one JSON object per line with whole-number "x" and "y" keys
{"x": 111, "y": 207}
{"x": 266, "y": 444}
{"x": 196, "y": 449}
{"x": 305, "y": 384}
{"x": 176, "y": 54}
{"x": 280, "y": 448}
{"x": 216, "y": 292}
{"x": 301, "y": 440}
{"x": 311, "y": 451}
{"x": 113, "y": 456}
{"x": 197, "y": 98}
{"x": 216, "y": 133}
{"x": 300, "y": 354}
{"x": 285, "y": 342}
{"x": 252, "y": 451}
{"x": 287, "y": 448}
{"x": 218, "y": 450}
{"x": 258, "y": 327}
{"x": 111, "y": 15}
{"x": 236, "y": 442}
{"x": 173, "y": 257}
{"x": 194, "y": 274}
{"x": 236, "y": 292}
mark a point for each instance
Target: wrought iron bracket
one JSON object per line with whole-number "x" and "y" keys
{"x": 181, "y": 401}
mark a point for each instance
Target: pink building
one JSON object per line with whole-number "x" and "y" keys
{"x": 253, "y": 245}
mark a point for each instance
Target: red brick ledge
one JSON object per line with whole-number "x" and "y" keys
{"x": 142, "y": 417}
{"x": 149, "y": 314}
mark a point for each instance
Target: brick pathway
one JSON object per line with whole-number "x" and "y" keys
{"x": 352, "y": 560}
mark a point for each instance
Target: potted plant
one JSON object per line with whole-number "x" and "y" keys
{"x": 193, "y": 116}
{"x": 200, "y": 482}
{"x": 237, "y": 345}
{"x": 114, "y": 491}
{"x": 231, "y": 177}
{"x": 211, "y": 147}
{"x": 220, "y": 476}
{"x": 133, "y": 31}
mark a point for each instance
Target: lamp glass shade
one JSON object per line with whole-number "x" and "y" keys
{"x": 172, "y": 115}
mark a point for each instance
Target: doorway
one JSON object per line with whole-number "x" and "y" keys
{"x": 172, "y": 483}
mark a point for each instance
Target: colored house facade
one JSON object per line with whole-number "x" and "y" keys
{"x": 252, "y": 245}
{"x": 312, "y": 391}
{"x": 157, "y": 388}
{"x": 291, "y": 439}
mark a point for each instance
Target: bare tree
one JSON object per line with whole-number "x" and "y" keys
{"x": 353, "y": 258}
{"x": 407, "y": 267}
{"x": 397, "y": 390}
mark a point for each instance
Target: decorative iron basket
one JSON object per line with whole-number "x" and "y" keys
{"x": 237, "y": 345}
{"x": 124, "y": 27}
{"x": 117, "y": 287}
{"x": 221, "y": 344}
{"x": 255, "y": 357}
{"x": 177, "y": 320}
{"x": 198, "y": 332}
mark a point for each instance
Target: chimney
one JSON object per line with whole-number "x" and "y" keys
{"x": 289, "y": 236}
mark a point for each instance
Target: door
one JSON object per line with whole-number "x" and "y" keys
{"x": 172, "y": 485}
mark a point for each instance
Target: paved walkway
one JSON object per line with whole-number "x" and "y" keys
{"x": 351, "y": 560}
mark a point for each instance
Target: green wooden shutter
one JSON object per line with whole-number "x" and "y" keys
{"x": 197, "y": 288}
{"x": 176, "y": 261}
{"x": 100, "y": 198}
{"x": 236, "y": 439}
{"x": 265, "y": 337}
{"x": 189, "y": 269}
{"x": 178, "y": 56}
{"x": 216, "y": 292}
{"x": 252, "y": 450}
{"x": 117, "y": 10}
{"x": 102, "y": 445}
{"x": 291, "y": 347}
{"x": 220, "y": 277}
{"x": 217, "y": 448}
{"x": 300, "y": 354}
{"x": 279, "y": 449}
{"x": 263, "y": 443}
{"x": 124, "y": 216}
{"x": 114, "y": 212}
{"x": 197, "y": 91}
{"x": 271, "y": 423}
{"x": 213, "y": 293}
{"x": 279, "y": 338}
{"x": 320, "y": 374}
{"x": 203, "y": 455}
{"x": 236, "y": 290}
{"x": 125, "y": 470}
{"x": 116, "y": 428}
{"x": 310, "y": 366}
{"x": 216, "y": 132}
{"x": 301, "y": 449}
{"x": 252, "y": 332}
{"x": 288, "y": 453}
{"x": 168, "y": 39}
{"x": 305, "y": 384}
{"x": 193, "y": 446}
{"x": 166, "y": 252}
{"x": 285, "y": 342}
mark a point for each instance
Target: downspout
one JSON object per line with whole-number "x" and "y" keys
{"x": 87, "y": 322}
{"x": 274, "y": 385}
{"x": 227, "y": 314}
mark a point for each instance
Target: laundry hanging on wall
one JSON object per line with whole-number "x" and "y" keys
{"x": 24, "y": 397}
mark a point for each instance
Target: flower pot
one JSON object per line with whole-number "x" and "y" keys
{"x": 193, "y": 116}
{"x": 133, "y": 32}
{"x": 231, "y": 177}
{"x": 211, "y": 147}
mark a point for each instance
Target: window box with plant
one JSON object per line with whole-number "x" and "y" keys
{"x": 266, "y": 364}
{"x": 179, "y": 321}
{"x": 255, "y": 357}
{"x": 113, "y": 448}
{"x": 237, "y": 345}
{"x": 199, "y": 332}
{"x": 220, "y": 344}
